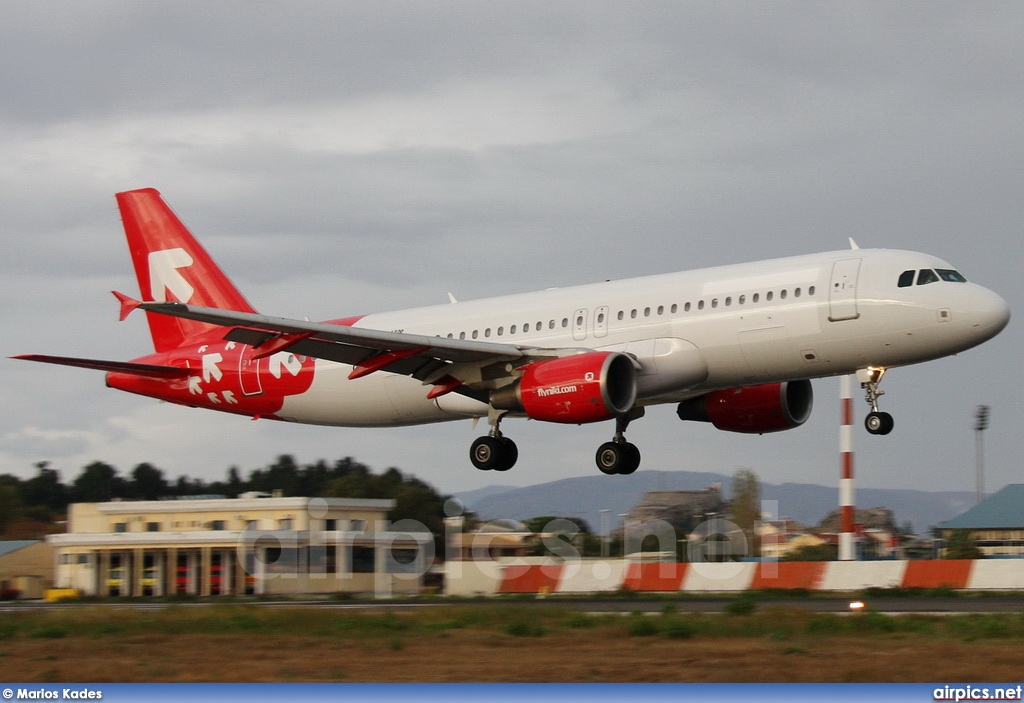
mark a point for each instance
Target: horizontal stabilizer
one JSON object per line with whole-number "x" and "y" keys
{"x": 115, "y": 366}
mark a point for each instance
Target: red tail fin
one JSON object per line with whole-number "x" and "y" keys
{"x": 172, "y": 265}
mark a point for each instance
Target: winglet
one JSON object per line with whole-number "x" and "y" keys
{"x": 128, "y": 304}
{"x": 853, "y": 244}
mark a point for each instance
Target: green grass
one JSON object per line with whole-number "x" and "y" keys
{"x": 397, "y": 629}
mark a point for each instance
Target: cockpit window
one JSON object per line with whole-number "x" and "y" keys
{"x": 951, "y": 275}
{"x": 926, "y": 276}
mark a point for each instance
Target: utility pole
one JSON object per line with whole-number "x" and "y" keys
{"x": 980, "y": 425}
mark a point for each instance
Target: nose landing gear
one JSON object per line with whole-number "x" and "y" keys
{"x": 876, "y": 422}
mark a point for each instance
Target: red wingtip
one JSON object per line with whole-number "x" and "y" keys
{"x": 127, "y": 304}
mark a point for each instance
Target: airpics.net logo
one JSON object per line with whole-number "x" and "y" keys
{"x": 977, "y": 693}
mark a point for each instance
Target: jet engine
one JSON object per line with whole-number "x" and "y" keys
{"x": 753, "y": 409}
{"x": 575, "y": 389}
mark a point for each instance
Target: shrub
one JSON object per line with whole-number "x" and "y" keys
{"x": 744, "y": 605}
{"x": 679, "y": 630}
{"x": 519, "y": 628}
{"x": 642, "y": 627}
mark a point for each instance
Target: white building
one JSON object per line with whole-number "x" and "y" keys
{"x": 248, "y": 545}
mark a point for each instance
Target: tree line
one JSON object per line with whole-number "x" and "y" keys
{"x": 30, "y": 507}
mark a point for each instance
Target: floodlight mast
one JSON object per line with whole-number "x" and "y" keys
{"x": 980, "y": 425}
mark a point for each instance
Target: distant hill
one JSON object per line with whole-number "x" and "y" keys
{"x": 586, "y": 496}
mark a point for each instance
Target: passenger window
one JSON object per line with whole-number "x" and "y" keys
{"x": 906, "y": 279}
{"x": 810, "y": 291}
{"x": 700, "y": 305}
{"x": 768, "y": 296}
{"x": 686, "y": 308}
{"x": 647, "y": 312}
{"x": 926, "y": 276}
{"x": 675, "y": 308}
{"x": 743, "y": 299}
{"x": 512, "y": 329}
{"x": 756, "y": 297}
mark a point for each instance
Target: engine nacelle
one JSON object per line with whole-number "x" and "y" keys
{"x": 575, "y": 389}
{"x": 753, "y": 409}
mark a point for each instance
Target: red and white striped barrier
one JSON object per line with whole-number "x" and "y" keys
{"x": 606, "y": 575}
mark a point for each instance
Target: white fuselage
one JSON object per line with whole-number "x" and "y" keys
{"x": 691, "y": 332}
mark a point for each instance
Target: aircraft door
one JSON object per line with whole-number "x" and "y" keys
{"x": 601, "y": 321}
{"x": 249, "y": 375}
{"x": 579, "y": 325}
{"x": 842, "y": 293}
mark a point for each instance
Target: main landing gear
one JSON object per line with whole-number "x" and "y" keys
{"x": 620, "y": 456}
{"x": 876, "y": 422}
{"x": 495, "y": 452}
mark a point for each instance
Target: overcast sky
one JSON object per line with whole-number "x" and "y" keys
{"x": 351, "y": 157}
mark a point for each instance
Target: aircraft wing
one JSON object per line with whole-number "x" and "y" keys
{"x": 432, "y": 360}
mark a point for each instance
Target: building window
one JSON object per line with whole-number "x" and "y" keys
{"x": 152, "y": 527}
{"x": 403, "y": 560}
{"x": 330, "y": 525}
{"x": 363, "y": 560}
{"x": 285, "y": 523}
{"x": 120, "y": 527}
{"x": 216, "y": 524}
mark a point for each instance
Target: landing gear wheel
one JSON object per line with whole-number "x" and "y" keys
{"x": 617, "y": 458}
{"x": 879, "y": 423}
{"x": 491, "y": 453}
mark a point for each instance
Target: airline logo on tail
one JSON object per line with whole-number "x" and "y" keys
{"x": 165, "y": 275}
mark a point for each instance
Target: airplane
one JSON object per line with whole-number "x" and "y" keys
{"x": 735, "y": 346}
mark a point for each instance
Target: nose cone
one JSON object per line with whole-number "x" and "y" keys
{"x": 989, "y": 314}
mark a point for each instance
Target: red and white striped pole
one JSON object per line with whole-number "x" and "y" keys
{"x": 846, "y": 515}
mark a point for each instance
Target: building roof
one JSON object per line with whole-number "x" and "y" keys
{"x": 1001, "y": 510}
{"x": 14, "y": 545}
